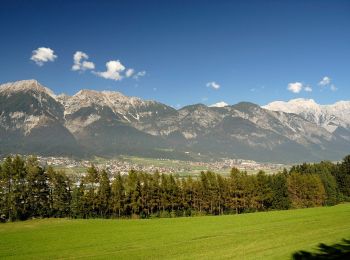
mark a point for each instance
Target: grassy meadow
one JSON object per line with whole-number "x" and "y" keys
{"x": 265, "y": 235}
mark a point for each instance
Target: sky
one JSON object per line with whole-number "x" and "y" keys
{"x": 181, "y": 52}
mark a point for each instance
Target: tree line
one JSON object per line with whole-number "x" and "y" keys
{"x": 28, "y": 190}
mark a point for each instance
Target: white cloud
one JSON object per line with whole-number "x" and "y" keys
{"x": 140, "y": 74}
{"x": 219, "y": 104}
{"x": 308, "y": 89}
{"x": 295, "y": 87}
{"x": 81, "y": 63}
{"x": 129, "y": 73}
{"x": 213, "y": 85}
{"x": 114, "y": 70}
{"x": 42, "y": 55}
{"x": 117, "y": 71}
{"x": 88, "y": 65}
{"x": 325, "y": 81}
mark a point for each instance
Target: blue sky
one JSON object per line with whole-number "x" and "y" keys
{"x": 190, "y": 51}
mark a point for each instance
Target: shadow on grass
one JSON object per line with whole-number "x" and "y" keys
{"x": 335, "y": 251}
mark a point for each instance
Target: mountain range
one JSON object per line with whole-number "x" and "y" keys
{"x": 34, "y": 120}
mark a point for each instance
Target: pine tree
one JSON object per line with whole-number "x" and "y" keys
{"x": 238, "y": 190}
{"x": 104, "y": 194}
{"x": 38, "y": 189}
{"x": 2, "y": 196}
{"x": 154, "y": 193}
{"x": 264, "y": 191}
{"x": 19, "y": 188}
{"x": 133, "y": 193}
{"x": 60, "y": 193}
{"x": 91, "y": 182}
{"x": 343, "y": 177}
{"x": 164, "y": 193}
{"x": 118, "y": 195}
{"x": 331, "y": 188}
{"x": 77, "y": 202}
{"x": 173, "y": 190}
{"x": 7, "y": 189}
{"x": 280, "y": 197}
{"x": 222, "y": 194}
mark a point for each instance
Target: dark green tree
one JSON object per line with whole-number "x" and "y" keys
{"x": 37, "y": 189}
{"x": 77, "y": 202}
{"x": 60, "y": 193}
{"x": 280, "y": 195}
{"x": 343, "y": 177}
{"x": 104, "y": 194}
{"x": 118, "y": 196}
{"x": 264, "y": 191}
{"x": 90, "y": 198}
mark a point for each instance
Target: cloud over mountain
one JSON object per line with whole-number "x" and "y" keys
{"x": 114, "y": 70}
{"x": 117, "y": 71}
{"x": 81, "y": 63}
{"x": 325, "y": 81}
{"x": 213, "y": 85}
{"x": 140, "y": 74}
{"x": 42, "y": 55}
{"x": 295, "y": 87}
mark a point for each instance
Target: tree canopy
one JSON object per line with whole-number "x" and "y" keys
{"x": 28, "y": 190}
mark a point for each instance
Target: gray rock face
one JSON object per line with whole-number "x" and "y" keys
{"x": 329, "y": 117}
{"x": 34, "y": 120}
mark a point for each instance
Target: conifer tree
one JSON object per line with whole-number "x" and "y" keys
{"x": 280, "y": 197}
{"x": 118, "y": 196}
{"x": 38, "y": 189}
{"x": 77, "y": 202}
{"x": 60, "y": 193}
{"x": 91, "y": 182}
{"x": 264, "y": 191}
{"x": 104, "y": 194}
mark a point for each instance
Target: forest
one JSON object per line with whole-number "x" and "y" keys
{"x": 28, "y": 190}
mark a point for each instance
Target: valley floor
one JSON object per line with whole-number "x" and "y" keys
{"x": 266, "y": 235}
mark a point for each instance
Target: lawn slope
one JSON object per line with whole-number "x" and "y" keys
{"x": 267, "y": 235}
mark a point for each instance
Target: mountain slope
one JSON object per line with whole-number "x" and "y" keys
{"x": 31, "y": 121}
{"x": 35, "y": 120}
{"x": 328, "y": 116}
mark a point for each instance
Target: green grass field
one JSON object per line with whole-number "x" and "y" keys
{"x": 266, "y": 235}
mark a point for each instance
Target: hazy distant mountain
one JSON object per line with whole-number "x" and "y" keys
{"x": 34, "y": 120}
{"x": 334, "y": 118}
{"x": 328, "y": 116}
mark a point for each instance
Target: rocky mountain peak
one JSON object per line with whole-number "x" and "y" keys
{"x": 294, "y": 105}
{"x": 342, "y": 105}
{"x": 25, "y": 86}
{"x": 246, "y": 106}
{"x": 110, "y": 123}
{"x": 328, "y": 116}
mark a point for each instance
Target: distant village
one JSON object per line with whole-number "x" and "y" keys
{"x": 160, "y": 165}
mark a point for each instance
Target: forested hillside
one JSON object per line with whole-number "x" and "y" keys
{"x": 30, "y": 191}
